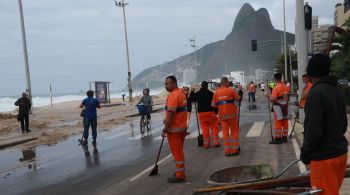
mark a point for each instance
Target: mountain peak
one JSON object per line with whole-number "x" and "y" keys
{"x": 246, "y": 11}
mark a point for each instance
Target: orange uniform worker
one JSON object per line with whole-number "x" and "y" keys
{"x": 306, "y": 88}
{"x": 325, "y": 147}
{"x": 206, "y": 115}
{"x": 175, "y": 126}
{"x": 279, "y": 98}
{"x": 251, "y": 91}
{"x": 224, "y": 99}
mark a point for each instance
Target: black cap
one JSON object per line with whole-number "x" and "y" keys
{"x": 277, "y": 76}
{"x": 319, "y": 66}
{"x": 204, "y": 84}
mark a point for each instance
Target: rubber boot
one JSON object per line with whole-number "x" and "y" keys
{"x": 285, "y": 140}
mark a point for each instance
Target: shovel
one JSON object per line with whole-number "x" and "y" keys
{"x": 155, "y": 168}
{"x": 200, "y": 136}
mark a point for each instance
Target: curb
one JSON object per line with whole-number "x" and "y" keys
{"x": 16, "y": 142}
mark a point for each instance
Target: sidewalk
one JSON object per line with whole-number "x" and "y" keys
{"x": 345, "y": 190}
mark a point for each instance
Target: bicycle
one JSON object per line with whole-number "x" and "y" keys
{"x": 144, "y": 122}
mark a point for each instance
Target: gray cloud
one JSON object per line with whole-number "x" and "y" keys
{"x": 73, "y": 42}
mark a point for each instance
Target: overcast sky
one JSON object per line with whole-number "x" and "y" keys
{"x": 72, "y": 42}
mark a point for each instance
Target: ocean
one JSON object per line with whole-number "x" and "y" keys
{"x": 7, "y": 103}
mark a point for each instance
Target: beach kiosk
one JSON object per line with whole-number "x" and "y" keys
{"x": 102, "y": 92}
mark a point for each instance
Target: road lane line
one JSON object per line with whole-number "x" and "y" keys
{"x": 148, "y": 170}
{"x": 256, "y": 129}
{"x": 301, "y": 165}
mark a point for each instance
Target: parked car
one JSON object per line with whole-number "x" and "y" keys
{"x": 343, "y": 82}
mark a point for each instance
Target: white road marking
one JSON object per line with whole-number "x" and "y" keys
{"x": 289, "y": 126}
{"x": 256, "y": 129}
{"x": 148, "y": 169}
{"x": 301, "y": 165}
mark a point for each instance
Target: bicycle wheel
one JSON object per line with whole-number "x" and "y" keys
{"x": 149, "y": 124}
{"x": 142, "y": 125}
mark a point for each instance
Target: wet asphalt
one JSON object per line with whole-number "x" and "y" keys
{"x": 122, "y": 153}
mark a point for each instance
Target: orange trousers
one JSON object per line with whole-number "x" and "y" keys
{"x": 176, "y": 144}
{"x": 209, "y": 120}
{"x": 328, "y": 174}
{"x": 281, "y": 127}
{"x": 231, "y": 143}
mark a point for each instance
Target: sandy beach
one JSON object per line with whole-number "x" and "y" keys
{"x": 52, "y": 125}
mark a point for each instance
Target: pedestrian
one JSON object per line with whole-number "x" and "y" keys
{"x": 123, "y": 95}
{"x": 24, "y": 105}
{"x": 262, "y": 86}
{"x": 324, "y": 146}
{"x": 306, "y": 88}
{"x": 175, "y": 126}
{"x": 279, "y": 98}
{"x": 186, "y": 90}
{"x": 224, "y": 99}
{"x": 206, "y": 114}
{"x": 90, "y": 116}
{"x": 251, "y": 91}
{"x": 147, "y": 102}
{"x": 271, "y": 85}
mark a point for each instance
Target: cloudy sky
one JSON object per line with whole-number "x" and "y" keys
{"x": 72, "y": 42}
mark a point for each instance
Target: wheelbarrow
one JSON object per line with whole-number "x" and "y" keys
{"x": 231, "y": 181}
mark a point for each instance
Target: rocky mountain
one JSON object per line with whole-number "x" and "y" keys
{"x": 231, "y": 54}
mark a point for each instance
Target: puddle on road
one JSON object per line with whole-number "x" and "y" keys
{"x": 67, "y": 155}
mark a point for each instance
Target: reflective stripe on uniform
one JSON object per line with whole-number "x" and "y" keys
{"x": 180, "y": 162}
{"x": 227, "y": 116}
{"x": 224, "y": 102}
{"x": 180, "y": 169}
{"x": 176, "y": 130}
{"x": 178, "y": 109}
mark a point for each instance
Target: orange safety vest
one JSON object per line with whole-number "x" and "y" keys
{"x": 303, "y": 100}
{"x": 223, "y": 99}
{"x": 252, "y": 88}
{"x": 177, "y": 102}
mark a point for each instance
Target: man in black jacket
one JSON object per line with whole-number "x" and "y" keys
{"x": 206, "y": 114}
{"x": 23, "y": 111}
{"x": 325, "y": 146}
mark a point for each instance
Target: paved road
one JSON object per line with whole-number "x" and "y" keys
{"x": 125, "y": 159}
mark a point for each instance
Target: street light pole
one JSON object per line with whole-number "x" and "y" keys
{"x": 193, "y": 44}
{"x": 25, "y": 53}
{"x": 122, "y": 5}
{"x": 285, "y": 42}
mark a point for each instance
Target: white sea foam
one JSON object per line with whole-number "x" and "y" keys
{"x": 7, "y": 103}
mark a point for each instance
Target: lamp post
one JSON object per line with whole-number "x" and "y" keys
{"x": 25, "y": 53}
{"x": 122, "y": 5}
{"x": 285, "y": 41}
{"x": 193, "y": 45}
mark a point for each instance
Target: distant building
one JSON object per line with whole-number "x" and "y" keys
{"x": 320, "y": 38}
{"x": 341, "y": 13}
{"x": 237, "y": 76}
{"x": 314, "y": 21}
{"x": 320, "y": 35}
{"x": 189, "y": 76}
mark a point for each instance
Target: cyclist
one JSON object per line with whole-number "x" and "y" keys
{"x": 147, "y": 102}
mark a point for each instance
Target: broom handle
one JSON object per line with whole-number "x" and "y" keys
{"x": 196, "y": 110}
{"x": 160, "y": 149}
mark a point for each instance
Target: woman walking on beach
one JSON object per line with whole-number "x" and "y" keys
{"x": 90, "y": 116}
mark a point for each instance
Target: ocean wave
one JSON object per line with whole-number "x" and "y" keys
{"x": 7, "y": 103}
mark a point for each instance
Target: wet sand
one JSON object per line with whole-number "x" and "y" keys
{"x": 52, "y": 125}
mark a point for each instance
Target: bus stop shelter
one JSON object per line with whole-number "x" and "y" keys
{"x": 102, "y": 92}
